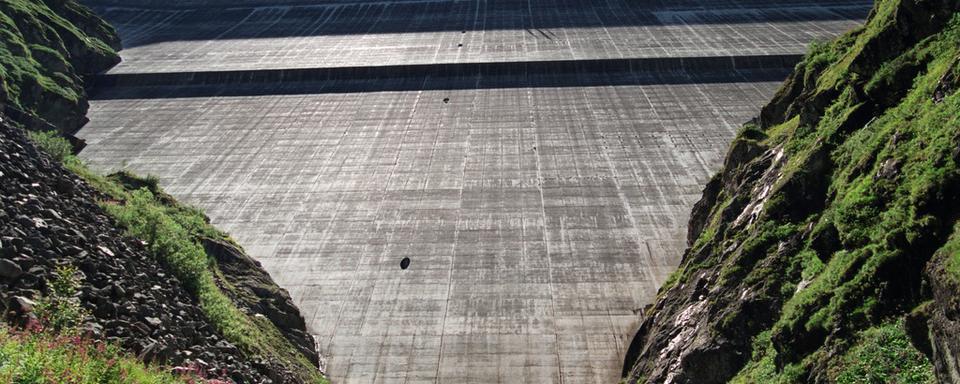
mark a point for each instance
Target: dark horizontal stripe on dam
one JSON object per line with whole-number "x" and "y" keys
{"x": 402, "y": 84}
{"x": 499, "y": 4}
{"x": 555, "y": 70}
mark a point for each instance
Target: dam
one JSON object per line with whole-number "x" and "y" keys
{"x": 536, "y": 162}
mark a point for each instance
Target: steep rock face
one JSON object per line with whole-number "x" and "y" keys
{"x": 46, "y": 48}
{"x": 942, "y": 324}
{"x": 811, "y": 246}
{"x": 249, "y": 285}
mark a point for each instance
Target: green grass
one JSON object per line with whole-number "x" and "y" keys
{"x": 879, "y": 355}
{"x": 950, "y": 252}
{"x": 51, "y": 348}
{"x": 19, "y": 67}
{"x": 44, "y": 47}
{"x": 42, "y": 358}
{"x": 172, "y": 232}
{"x": 144, "y": 218}
{"x": 878, "y": 221}
{"x": 886, "y": 227}
{"x": 52, "y": 143}
{"x": 883, "y": 355}
{"x": 36, "y": 44}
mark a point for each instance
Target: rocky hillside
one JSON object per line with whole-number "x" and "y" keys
{"x": 828, "y": 247}
{"x": 114, "y": 258}
{"x": 51, "y": 221}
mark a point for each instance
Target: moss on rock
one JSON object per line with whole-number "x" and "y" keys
{"x": 828, "y": 221}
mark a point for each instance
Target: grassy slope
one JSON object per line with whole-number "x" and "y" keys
{"x": 44, "y": 48}
{"x": 884, "y": 223}
{"x": 51, "y": 348}
{"x": 172, "y": 232}
{"x": 43, "y": 54}
{"x": 868, "y": 190}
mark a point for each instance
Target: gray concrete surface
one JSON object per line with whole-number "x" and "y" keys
{"x": 536, "y": 220}
{"x": 540, "y": 207}
{"x": 432, "y": 32}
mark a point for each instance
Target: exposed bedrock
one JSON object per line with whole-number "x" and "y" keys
{"x": 49, "y": 47}
{"x": 811, "y": 244}
{"x": 253, "y": 290}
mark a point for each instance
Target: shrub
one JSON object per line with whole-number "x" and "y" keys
{"x": 52, "y": 143}
{"x": 28, "y": 358}
{"x": 60, "y": 311}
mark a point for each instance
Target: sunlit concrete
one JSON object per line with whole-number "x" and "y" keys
{"x": 536, "y": 220}
{"x": 541, "y": 205}
{"x": 431, "y": 32}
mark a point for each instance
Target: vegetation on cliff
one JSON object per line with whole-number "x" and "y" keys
{"x": 46, "y": 48}
{"x": 819, "y": 248}
{"x": 175, "y": 234}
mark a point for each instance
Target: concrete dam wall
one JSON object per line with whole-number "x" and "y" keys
{"x": 535, "y": 161}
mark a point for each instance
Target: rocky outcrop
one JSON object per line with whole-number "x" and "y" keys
{"x": 47, "y": 48}
{"x": 50, "y": 218}
{"x": 829, "y": 223}
{"x": 252, "y": 289}
{"x": 940, "y": 324}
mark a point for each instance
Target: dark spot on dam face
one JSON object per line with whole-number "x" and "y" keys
{"x": 405, "y": 263}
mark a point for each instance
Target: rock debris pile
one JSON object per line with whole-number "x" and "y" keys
{"x": 50, "y": 218}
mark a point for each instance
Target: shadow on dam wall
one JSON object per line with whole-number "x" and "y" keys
{"x": 200, "y": 4}
{"x": 567, "y": 73}
{"x": 256, "y": 19}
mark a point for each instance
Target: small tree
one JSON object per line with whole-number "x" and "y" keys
{"x": 60, "y": 310}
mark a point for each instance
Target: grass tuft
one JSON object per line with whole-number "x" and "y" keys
{"x": 52, "y": 143}
{"x": 883, "y": 355}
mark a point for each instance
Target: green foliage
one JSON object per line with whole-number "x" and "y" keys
{"x": 172, "y": 243}
{"x": 45, "y": 358}
{"x": 763, "y": 369}
{"x": 20, "y": 68}
{"x": 44, "y": 47}
{"x": 950, "y": 252}
{"x": 888, "y": 154}
{"x": 883, "y": 355}
{"x": 52, "y": 143}
{"x": 819, "y": 54}
{"x": 171, "y": 231}
{"x": 60, "y": 310}
{"x": 38, "y": 47}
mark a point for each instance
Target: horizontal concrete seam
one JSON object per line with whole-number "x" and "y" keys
{"x": 234, "y": 4}
{"x": 657, "y": 65}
